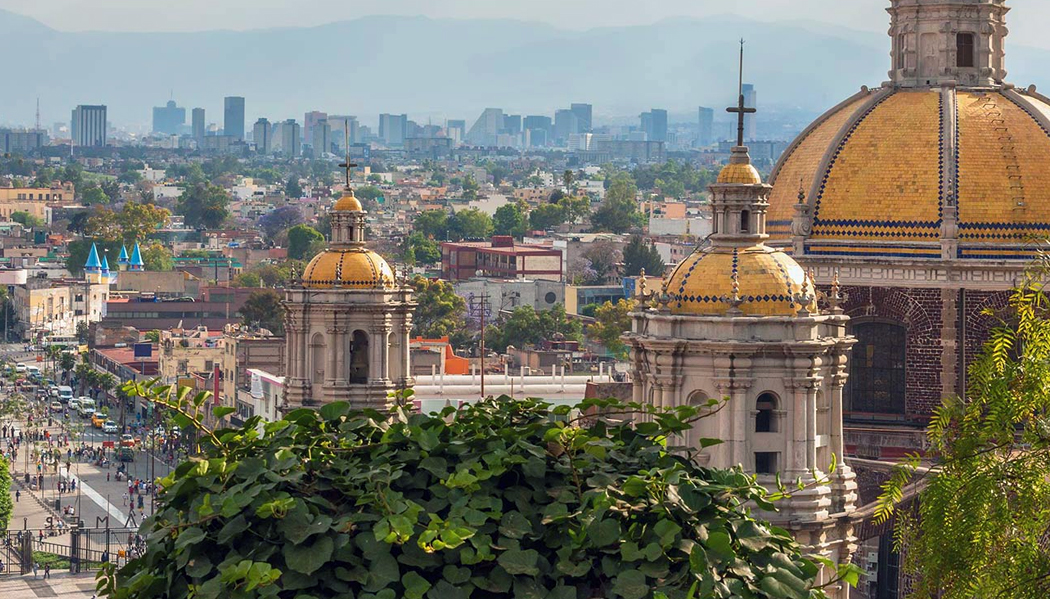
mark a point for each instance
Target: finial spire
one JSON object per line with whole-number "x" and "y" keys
{"x": 741, "y": 109}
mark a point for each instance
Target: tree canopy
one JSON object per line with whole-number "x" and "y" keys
{"x": 979, "y": 527}
{"x": 204, "y": 205}
{"x": 158, "y": 258}
{"x": 440, "y": 312}
{"x": 638, "y": 255}
{"x": 506, "y": 498}
{"x": 611, "y": 321}
{"x": 303, "y": 242}
{"x": 511, "y": 219}
{"x": 618, "y": 213}
{"x": 527, "y": 326}
{"x": 264, "y": 307}
{"x": 132, "y": 222}
{"x": 277, "y": 221}
{"x": 465, "y": 224}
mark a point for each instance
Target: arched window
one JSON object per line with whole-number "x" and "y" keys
{"x": 964, "y": 50}
{"x": 745, "y": 221}
{"x": 900, "y": 51}
{"x": 877, "y": 369}
{"x": 766, "y": 418}
{"x": 317, "y": 357}
{"x": 359, "y": 359}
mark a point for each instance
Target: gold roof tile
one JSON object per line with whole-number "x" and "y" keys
{"x": 745, "y": 174}
{"x": 355, "y": 268}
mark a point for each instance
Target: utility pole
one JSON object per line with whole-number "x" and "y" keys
{"x": 483, "y": 298}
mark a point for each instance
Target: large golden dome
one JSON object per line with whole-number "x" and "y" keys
{"x": 768, "y": 283}
{"x": 902, "y": 169}
{"x": 348, "y": 268}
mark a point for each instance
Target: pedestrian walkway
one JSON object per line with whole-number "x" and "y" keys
{"x": 71, "y": 586}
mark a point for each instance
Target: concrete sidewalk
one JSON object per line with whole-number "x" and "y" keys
{"x": 72, "y": 586}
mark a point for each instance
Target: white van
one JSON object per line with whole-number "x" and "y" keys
{"x": 32, "y": 369}
{"x": 65, "y": 393}
{"x": 86, "y": 407}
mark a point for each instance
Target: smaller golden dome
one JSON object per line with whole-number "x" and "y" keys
{"x": 768, "y": 283}
{"x": 348, "y": 203}
{"x": 351, "y": 268}
{"x": 745, "y": 174}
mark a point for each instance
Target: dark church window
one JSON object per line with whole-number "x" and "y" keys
{"x": 964, "y": 48}
{"x": 765, "y": 419}
{"x": 359, "y": 359}
{"x": 745, "y": 221}
{"x": 900, "y": 51}
{"x": 876, "y": 380}
{"x": 765, "y": 462}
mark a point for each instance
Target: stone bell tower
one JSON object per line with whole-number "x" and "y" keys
{"x": 942, "y": 41}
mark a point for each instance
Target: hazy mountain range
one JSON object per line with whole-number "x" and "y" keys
{"x": 432, "y": 68}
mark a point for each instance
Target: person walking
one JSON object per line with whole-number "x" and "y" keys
{"x": 125, "y": 496}
{"x": 35, "y": 566}
{"x": 18, "y": 495}
{"x": 47, "y": 571}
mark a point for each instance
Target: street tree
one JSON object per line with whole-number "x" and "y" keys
{"x": 292, "y": 188}
{"x": 441, "y": 312}
{"x": 158, "y": 258}
{"x": 204, "y": 205}
{"x": 610, "y": 322}
{"x": 546, "y": 217}
{"x": 432, "y": 223}
{"x": 639, "y": 255}
{"x": 280, "y": 220}
{"x": 618, "y": 213}
{"x": 469, "y": 224}
{"x": 301, "y": 240}
{"x": 511, "y": 219}
{"x": 264, "y": 307}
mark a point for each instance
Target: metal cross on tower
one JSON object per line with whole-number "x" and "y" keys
{"x": 741, "y": 109}
{"x": 347, "y": 164}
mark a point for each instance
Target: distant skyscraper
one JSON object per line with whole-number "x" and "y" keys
{"x": 565, "y": 124}
{"x": 539, "y": 129}
{"x": 89, "y": 126}
{"x": 310, "y": 119}
{"x": 168, "y": 119}
{"x": 290, "y": 137}
{"x": 654, "y": 124}
{"x": 321, "y": 138}
{"x": 751, "y": 101}
{"x": 512, "y": 124}
{"x": 583, "y": 117}
{"x": 486, "y": 129}
{"x": 707, "y": 127}
{"x": 457, "y": 130}
{"x": 22, "y": 140}
{"x": 198, "y": 123}
{"x": 392, "y": 128}
{"x": 261, "y": 133}
{"x": 233, "y": 117}
{"x": 341, "y": 127}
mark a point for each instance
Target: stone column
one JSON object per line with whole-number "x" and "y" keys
{"x": 383, "y": 332}
{"x": 406, "y": 353}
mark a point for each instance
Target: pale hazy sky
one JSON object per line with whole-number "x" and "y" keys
{"x": 1028, "y": 25}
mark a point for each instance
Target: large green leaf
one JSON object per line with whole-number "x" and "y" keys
{"x": 631, "y": 584}
{"x": 518, "y": 561}
{"x": 308, "y": 559}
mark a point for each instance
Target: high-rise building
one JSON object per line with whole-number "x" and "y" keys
{"x": 751, "y": 101}
{"x": 538, "y": 130}
{"x": 198, "y": 123}
{"x": 512, "y": 124}
{"x": 583, "y": 117}
{"x": 22, "y": 140}
{"x": 654, "y": 124}
{"x": 169, "y": 119}
{"x": 321, "y": 138}
{"x": 344, "y": 127}
{"x": 487, "y": 128}
{"x": 261, "y": 133}
{"x": 88, "y": 126}
{"x": 392, "y": 128}
{"x": 310, "y": 119}
{"x": 707, "y": 127}
{"x": 290, "y": 137}
{"x": 456, "y": 129}
{"x": 233, "y": 117}
{"x": 565, "y": 124}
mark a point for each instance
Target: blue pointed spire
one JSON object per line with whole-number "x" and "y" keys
{"x": 123, "y": 259}
{"x": 136, "y": 258}
{"x": 93, "y": 265}
{"x": 105, "y": 265}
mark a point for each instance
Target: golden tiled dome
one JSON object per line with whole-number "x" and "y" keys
{"x": 768, "y": 281}
{"x": 350, "y": 268}
{"x": 745, "y": 174}
{"x": 889, "y": 167}
{"x": 348, "y": 203}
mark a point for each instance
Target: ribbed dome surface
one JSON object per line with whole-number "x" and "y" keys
{"x": 353, "y": 268}
{"x": 890, "y": 167}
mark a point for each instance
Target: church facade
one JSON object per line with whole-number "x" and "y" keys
{"x": 929, "y": 196}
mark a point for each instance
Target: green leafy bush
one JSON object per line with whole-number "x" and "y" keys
{"x": 500, "y": 499}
